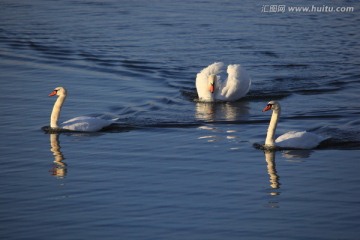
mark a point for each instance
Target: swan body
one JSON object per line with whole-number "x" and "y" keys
{"x": 85, "y": 124}
{"x": 289, "y": 140}
{"x": 82, "y": 124}
{"x": 211, "y": 88}
{"x": 299, "y": 140}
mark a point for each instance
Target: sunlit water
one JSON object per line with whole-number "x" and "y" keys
{"x": 171, "y": 167}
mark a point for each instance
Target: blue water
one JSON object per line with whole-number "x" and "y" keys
{"x": 171, "y": 167}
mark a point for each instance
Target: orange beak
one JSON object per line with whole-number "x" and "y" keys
{"x": 267, "y": 108}
{"x": 212, "y": 88}
{"x": 53, "y": 93}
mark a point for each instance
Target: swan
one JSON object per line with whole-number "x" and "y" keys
{"x": 289, "y": 140}
{"x": 82, "y": 124}
{"x": 211, "y": 88}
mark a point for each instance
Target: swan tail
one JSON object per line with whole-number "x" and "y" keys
{"x": 238, "y": 82}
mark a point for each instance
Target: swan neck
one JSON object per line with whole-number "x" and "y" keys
{"x": 55, "y": 114}
{"x": 270, "y": 141}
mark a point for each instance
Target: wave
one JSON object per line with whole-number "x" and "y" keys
{"x": 345, "y": 136}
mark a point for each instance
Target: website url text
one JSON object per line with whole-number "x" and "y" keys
{"x": 305, "y": 9}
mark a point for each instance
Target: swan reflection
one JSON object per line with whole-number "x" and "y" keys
{"x": 271, "y": 168}
{"x": 60, "y": 168}
{"x": 296, "y": 154}
{"x": 221, "y": 111}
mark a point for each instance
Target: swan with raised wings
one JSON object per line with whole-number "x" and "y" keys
{"x": 81, "y": 124}
{"x": 210, "y": 87}
{"x": 289, "y": 140}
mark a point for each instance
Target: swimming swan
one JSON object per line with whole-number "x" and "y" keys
{"x": 289, "y": 140}
{"x": 82, "y": 124}
{"x": 211, "y": 88}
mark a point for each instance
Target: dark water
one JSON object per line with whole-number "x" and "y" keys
{"x": 173, "y": 168}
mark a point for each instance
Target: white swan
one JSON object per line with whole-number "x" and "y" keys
{"x": 211, "y": 88}
{"x": 82, "y": 124}
{"x": 289, "y": 140}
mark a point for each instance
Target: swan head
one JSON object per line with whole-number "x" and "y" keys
{"x": 211, "y": 80}
{"x": 59, "y": 91}
{"x": 272, "y": 105}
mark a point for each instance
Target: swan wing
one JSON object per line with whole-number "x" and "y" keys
{"x": 85, "y": 124}
{"x": 299, "y": 140}
{"x": 202, "y": 85}
{"x": 237, "y": 84}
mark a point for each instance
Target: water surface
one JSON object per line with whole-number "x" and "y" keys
{"x": 171, "y": 167}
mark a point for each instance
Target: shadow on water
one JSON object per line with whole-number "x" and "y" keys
{"x": 344, "y": 137}
{"x": 340, "y": 144}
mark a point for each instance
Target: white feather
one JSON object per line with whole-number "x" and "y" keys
{"x": 85, "y": 124}
{"x": 233, "y": 88}
{"x": 237, "y": 84}
{"x": 300, "y": 140}
{"x": 202, "y": 81}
